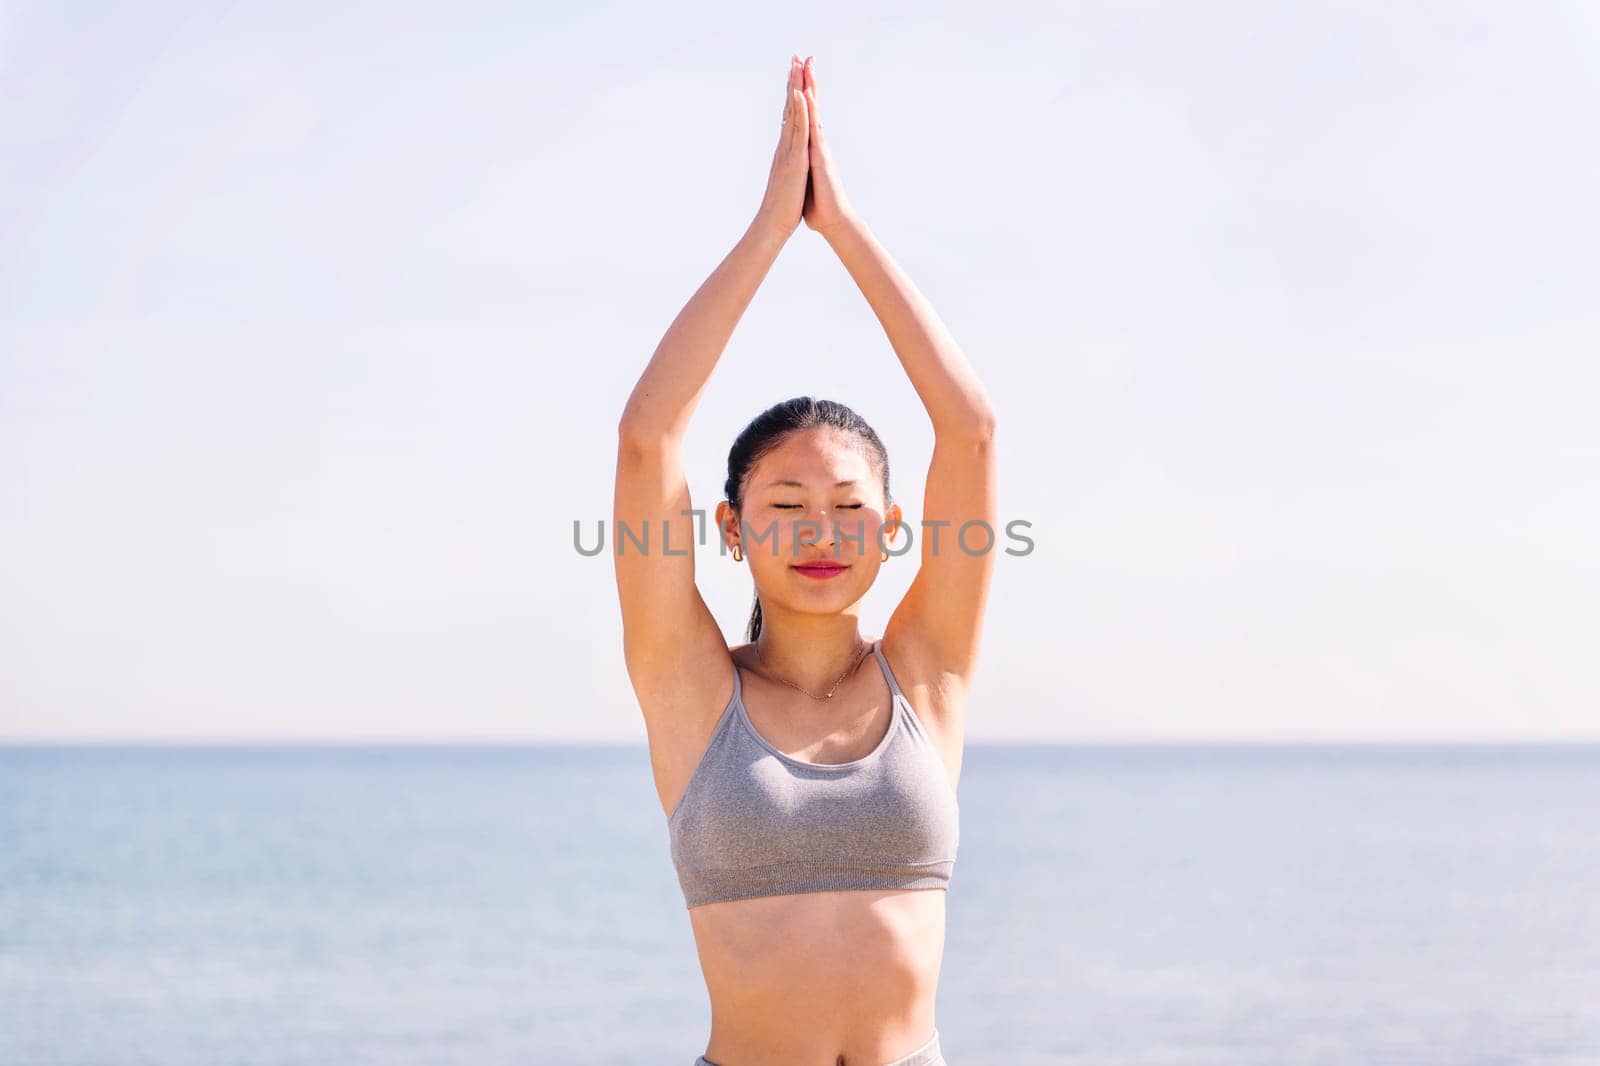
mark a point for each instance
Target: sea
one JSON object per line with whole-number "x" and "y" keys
{"x": 1116, "y": 905}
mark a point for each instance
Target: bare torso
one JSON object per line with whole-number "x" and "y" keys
{"x": 848, "y": 977}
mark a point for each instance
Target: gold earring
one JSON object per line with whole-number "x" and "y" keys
{"x": 737, "y": 557}
{"x": 885, "y": 556}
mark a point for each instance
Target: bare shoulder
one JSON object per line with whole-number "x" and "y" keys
{"x": 682, "y": 701}
{"x": 936, "y": 690}
{"x": 683, "y": 689}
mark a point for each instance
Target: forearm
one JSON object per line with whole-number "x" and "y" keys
{"x": 676, "y": 376}
{"x": 947, "y": 384}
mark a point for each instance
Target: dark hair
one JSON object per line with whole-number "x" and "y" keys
{"x": 768, "y": 429}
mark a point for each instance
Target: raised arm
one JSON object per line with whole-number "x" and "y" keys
{"x": 941, "y": 614}
{"x": 668, "y": 633}
{"x": 670, "y": 387}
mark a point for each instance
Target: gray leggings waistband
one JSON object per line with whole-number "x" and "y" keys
{"x": 926, "y": 1055}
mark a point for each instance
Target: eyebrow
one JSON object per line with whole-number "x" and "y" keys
{"x": 801, "y": 484}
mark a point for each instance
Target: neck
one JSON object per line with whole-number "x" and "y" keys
{"x": 810, "y": 650}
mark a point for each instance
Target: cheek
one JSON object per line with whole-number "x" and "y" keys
{"x": 866, "y": 528}
{"x": 859, "y": 534}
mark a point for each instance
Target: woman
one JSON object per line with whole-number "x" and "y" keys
{"x": 811, "y": 803}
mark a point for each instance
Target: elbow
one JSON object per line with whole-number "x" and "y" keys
{"x": 977, "y": 427}
{"x": 632, "y": 423}
{"x": 636, "y": 431}
{"x": 631, "y": 432}
{"x": 977, "y": 418}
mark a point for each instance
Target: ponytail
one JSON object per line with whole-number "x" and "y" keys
{"x": 754, "y": 629}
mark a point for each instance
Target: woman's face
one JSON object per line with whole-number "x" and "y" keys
{"x": 814, "y": 498}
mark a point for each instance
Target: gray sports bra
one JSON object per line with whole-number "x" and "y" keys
{"x": 753, "y": 821}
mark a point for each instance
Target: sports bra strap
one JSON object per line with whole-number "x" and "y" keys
{"x": 877, "y": 649}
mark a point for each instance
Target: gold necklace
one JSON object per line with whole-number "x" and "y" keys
{"x": 854, "y": 666}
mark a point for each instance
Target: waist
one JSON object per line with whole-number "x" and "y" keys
{"x": 829, "y": 968}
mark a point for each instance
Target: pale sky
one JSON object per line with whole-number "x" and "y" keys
{"x": 315, "y": 324}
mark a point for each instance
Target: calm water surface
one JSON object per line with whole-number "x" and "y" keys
{"x": 1159, "y": 906}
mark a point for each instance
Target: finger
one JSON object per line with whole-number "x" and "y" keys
{"x": 802, "y": 121}
{"x": 811, "y": 96}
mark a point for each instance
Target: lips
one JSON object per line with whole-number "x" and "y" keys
{"x": 819, "y": 568}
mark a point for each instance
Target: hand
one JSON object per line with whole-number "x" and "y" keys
{"x": 786, "y": 184}
{"x": 825, "y": 204}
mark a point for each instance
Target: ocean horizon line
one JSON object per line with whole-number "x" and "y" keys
{"x": 1093, "y": 742}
